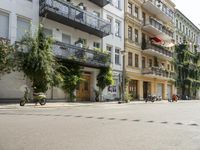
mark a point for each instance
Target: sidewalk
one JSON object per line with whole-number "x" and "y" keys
{"x": 78, "y": 104}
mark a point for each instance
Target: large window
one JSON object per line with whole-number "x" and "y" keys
{"x": 143, "y": 62}
{"x": 136, "y": 60}
{"x": 23, "y": 27}
{"x": 117, "y": 28}
{"x": 4, "y": 25}
{"x": 66, "y": 39}
{"x": 136, "y": 36}
{"x": 117, "y": 61}
{"x": 130, "y": 33}
{"x": 136, "y": 12}
{"x": 47, "y": 32}
{"x": 117, "y": 3}
{"x": 150, "y": 62}
{"x": 130, "y": 59}
{"x": 130, "y": 8}
{"x": 109, "y": 50}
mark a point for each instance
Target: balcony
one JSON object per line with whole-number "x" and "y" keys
{"x": 157, "y": 29}
{"x": 158, "y": 51}
{"x": 157, "y": 8}
{"x": 70, "y": 15}
{"x": 85, "y": 57}
{"x": 100, "y": 3}
{"x": 157, "y": 72}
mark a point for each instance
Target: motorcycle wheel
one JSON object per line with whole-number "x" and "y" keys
{"x": 22, "y": 103}
{"x": 43, "y": 101}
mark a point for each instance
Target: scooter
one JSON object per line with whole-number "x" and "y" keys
{"x": 37, "y": 98}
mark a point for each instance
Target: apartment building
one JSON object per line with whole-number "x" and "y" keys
{"x": 16, "y": 18}
{"x": 149, "y": 48}
{"x": 114, "y": 44}
{"x": 186, "y": 30}
{"x": 81, "y": 29}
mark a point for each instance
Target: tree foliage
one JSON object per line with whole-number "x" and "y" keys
{"x": 104, "y": 78}
{"x": 188, "y": 72}
{"x": 6, "y": 56}
{"x": 71, "y": 75}
{"x": 37, "y": 60}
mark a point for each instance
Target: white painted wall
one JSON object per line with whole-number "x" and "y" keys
{"x": 11, "y": 85}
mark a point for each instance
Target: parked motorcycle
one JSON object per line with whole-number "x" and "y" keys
{"x": 150, "y": 98}
{"x": 37, "y": 98}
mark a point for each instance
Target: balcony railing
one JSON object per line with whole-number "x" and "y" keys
{"x": 159, "y": 5}
{"x": 156, "y": 71}
{"x": 101, "y": 3}
{"x": 70, "y": 15}
{"x": 160, "y": 27}
{"x": 80, "y": 55}
{"x": 158, "y": 49}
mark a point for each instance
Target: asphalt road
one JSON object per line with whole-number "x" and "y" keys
{"x": 151, "y": 126}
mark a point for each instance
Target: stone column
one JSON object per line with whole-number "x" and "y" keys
{"x": 140, "y": 89}
{"x": 165, "y": 90}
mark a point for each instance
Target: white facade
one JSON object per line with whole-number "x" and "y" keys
{"x": 18, "y": 12}
{"x": 114, "y": 12}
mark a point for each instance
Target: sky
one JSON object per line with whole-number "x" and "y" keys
{"x": 191, "y": 9}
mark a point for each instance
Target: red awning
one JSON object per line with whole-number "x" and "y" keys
{"x": 156, "y": 39}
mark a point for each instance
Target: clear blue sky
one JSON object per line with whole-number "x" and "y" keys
{"x": 190, "y": 8}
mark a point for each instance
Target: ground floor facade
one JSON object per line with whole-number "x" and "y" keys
{"x": 12, "y": 87}
{"x": 140, "y": 86}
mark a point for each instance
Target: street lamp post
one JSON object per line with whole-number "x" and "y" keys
{"x": 123, "y": 75}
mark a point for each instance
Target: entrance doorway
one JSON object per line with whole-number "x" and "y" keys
{"x": 146, "y": 89}
{"x": 83, "y": 89}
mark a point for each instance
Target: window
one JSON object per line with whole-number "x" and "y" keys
{"x": 96, "y": 45}
{"x": 177, "y": 23}
{"x": 109, "y": 50}
{"x": 23, "y": 27}
{"x": 66, "y": 39}
{"x": 130, "y": 37}
{"x": 150, "y": 62}
{"x": 144, "y": 18}
{"x": 47, "y": 32}
{"x": 172, "y": 68}
{"x": 180, "y": 26}
{"x": 136, "y": 60}
{"x": 143, "y": 62}
{"x": 130, "y": 59}
{"x": 110, "y": 21}
{"x": 186, "y": 31}
{"x": 168, "y": 66}
{"x": 117, "y": 62}
{"x": 117, "y": 28}
{"x": 130, "y": 8}
{"x": 136, "y": 36}
{"x": 4, "y": 25}
{"x": 117, "y": 3}
{"x": 136, "y": 12}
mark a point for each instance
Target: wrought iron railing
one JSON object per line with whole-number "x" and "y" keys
{"x": 159, "y": 72}
{"x": 159, "y": 26}
{"x": 76, "y": 14}
{"x": 160, "y": 5}
{"x": 81, "y": 55}
{"x": 159, "y": 49}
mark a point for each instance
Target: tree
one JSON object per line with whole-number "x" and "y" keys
{"x": 187, "y": 70}
{"x": 71, "y": 75}
{"x": 37, "y": 60}
{"x": 6, "y": 56}
{"x": 104, "y": 79}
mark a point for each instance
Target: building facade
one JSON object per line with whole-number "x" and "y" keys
{"x": 114, "y": 44}
{"x": 16, "y": 18}
{"x": 80, "y": 28}
{"x": 149, "y": 48}
{"x": 188, "y": 77}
